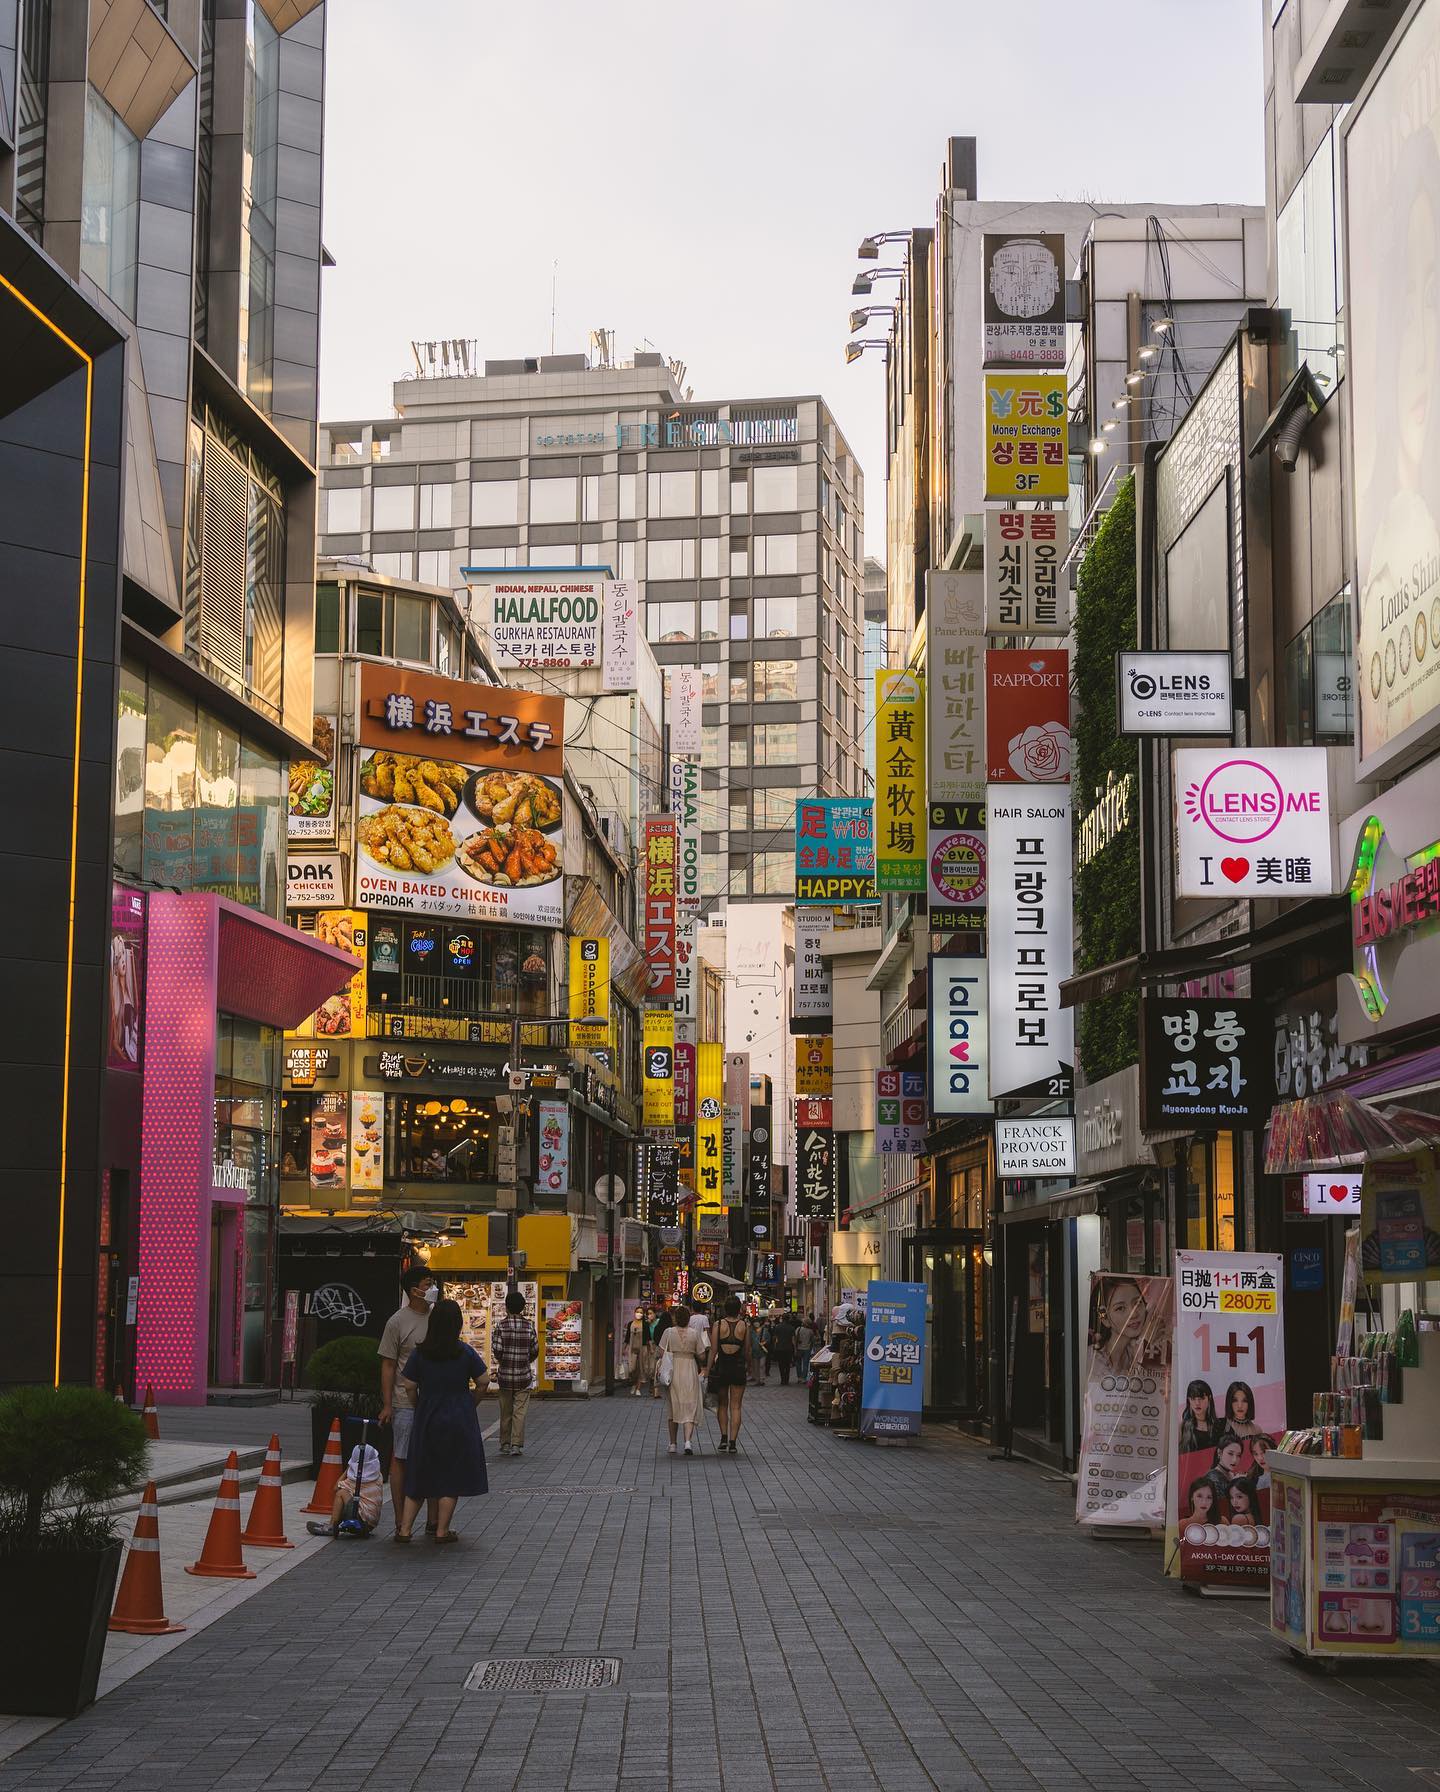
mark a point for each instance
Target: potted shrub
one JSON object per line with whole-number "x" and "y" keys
{"x": 65, "y": 1453}
{"x": 345, "y": 1377}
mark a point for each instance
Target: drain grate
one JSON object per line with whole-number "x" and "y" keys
{"x": 544, "y": 1673}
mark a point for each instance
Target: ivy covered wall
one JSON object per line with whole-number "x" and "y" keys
{"x": 1107, "y": 888}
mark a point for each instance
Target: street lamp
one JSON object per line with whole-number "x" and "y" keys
{"x": 869, "y": 249}
{"x": 867, "y": 277}
{"x": 858, "y": 318}
{"x": 854, "y": 350}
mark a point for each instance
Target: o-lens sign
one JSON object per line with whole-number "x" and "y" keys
{"x": 959, "y": 1036}
{"x": 1175, "y": 693}
{"x": 1253, "y": 821}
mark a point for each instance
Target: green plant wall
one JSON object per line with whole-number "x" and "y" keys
{"x": 1107, "y": 890}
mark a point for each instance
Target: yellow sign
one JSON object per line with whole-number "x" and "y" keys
{"x": 709, "y": 1127}
{"x": 815, "y": 1064}
{"x": 900, "y": 814}
{"x": 1247, "y": 1300}
{"x": 1026, "y": 430}
{"x": 343, "y": 1016}
{"x": 589, "y": 992}
{"x": 658, "y": 1070}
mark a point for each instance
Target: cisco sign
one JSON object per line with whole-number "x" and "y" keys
{"x": 1175, "y": 693}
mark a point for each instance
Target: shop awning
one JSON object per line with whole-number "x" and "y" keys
{"x": 1069, "y": 1203}
{"x": 269, "y": 972}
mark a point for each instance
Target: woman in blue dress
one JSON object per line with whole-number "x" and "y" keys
{"x": 446, "y": 1379}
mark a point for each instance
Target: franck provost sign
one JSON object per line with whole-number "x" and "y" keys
{"x": 1253, "y": 821}
{"x": 1037, "y": 1145}
{"x": 1175, "y": 693}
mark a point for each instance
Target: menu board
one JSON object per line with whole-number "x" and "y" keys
{"x": 482, "y": 1306}
{"x": 327, "y": 1142}
{"x": 562, "y": 1340}
{"x": 367, "y": 1139}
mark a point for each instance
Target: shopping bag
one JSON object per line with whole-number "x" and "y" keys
{"x": 666, "y": 1368}
{"x": 623, "y": 1372}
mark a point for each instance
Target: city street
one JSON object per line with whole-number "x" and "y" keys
{"x": 815, "y": 1613}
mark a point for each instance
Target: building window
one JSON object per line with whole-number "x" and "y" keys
{"x": 709, "y": 619}
{"x": 669, "y": 559}
{"x": 739, "y": 747}
{"x": 630, "y": 490}
{"x": 1308, "y": 268}
{"x": 710, "y": 743}
{"x": 1319, "y": 680}
{"x": 346, "y": 448}
{"x": 669, "y": 621}
{"x": 435, "y": 506}
{"x": 110, "y": 203}
{"x": 394, "y": 566}
{"x": 776, "y": 681}
{"x": 627, "y": 560}
{"x": 774, "y": 808}
{"x": 776, "y": 743}
{"x": 739, "y": 622}
{"x": 412, "y": 628}
{"x": 382, "y": 443}
{"x": 773, "y": 874}
{"x": 710, "y": 557}
{"x": 739, "y": 684}
{"x": 710, "y": 684}
{"x": 672, "y": 494}
{"x": 392, "y": 507}
{"x": 258, "y": 209}
{"x": 553, "y": 501}
{"x": 561, "y": 554}
{"x": 776, "y": 488}
{"x": 739, "y": 495}
{"x": 776, "y": 617}
{"x": 710, "y": 492}
{"x": 494, "y": 503}
{"x": 343, "y": 510}
{"x": 433, "y": 568}
{"x": 774, "y": 555}
{"x": 590, "y": 498}
{"x": 327, "y": 618}
{"x": 449, "y": 649}
{"x": 739, "y": 558}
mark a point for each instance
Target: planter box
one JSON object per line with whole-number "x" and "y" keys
{"x": 50, "y": 1665}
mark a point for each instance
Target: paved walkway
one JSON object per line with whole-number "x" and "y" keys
{"x": 813, "y": 1615}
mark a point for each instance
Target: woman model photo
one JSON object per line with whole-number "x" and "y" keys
{"x": 1239, "y": 1420}
{"x": 1118, "y": 1320}
{"x": 1244, "y": 1507}
{"x": 1199, "y": 1428}
{"x": 1202, "y": 1502}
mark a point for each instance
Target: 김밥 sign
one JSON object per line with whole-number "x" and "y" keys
{"x": 1253, "y": 821}
{"x": 1027, "y": 716}
{"x": 460, "y": 803}
{"x": 959, "y": 1055}
{"x": 1203, "y": 1062}
{"x": 709, "y": 1125}
{"x": 1024, "y": 300}
{"x": 1030, "y": 943}
{"x": 661, "y": 856}
{"x": 1025, "y": 436}
{"x": 955, "y": 636}
{"x": 1024, "y": 551}
{"x": 1175, "y": 693}
{"x": 1038, "y": 1145}
{"x": 957, "y": 867}
{"x": 543, "y": 622}
{"x": 899, "y": 781}
{"x": 835, "y": 850}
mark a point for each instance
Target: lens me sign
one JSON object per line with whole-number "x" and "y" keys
{"x": 1175, "y": 693}
{"x": 1253, "y": 822}
{"x": 959, "y": 1036}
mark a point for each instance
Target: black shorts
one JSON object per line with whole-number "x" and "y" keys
{"x": 728, "y": 1371}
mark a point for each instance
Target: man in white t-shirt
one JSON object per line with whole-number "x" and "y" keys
{"x": 404, "y": 1332}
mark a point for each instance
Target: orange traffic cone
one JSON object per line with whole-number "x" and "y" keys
{"x": 221, "y": 1559}
{"x": 265, "y": 1528}
{"x": 120, "y": 1399}
{"x": 331, "y": 1470}
{"x": 150, "y": 1416}
{"x": 139, "y": 1606}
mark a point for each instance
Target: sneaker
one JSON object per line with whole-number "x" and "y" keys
{"x": 517, "y": 1450}
{"x": 318, "y": 1528}
{"x": 670, "y": 1450}
{"x": 688, "y": 1450}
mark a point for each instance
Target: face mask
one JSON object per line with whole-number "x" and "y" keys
{"x": 432, "y": 1294}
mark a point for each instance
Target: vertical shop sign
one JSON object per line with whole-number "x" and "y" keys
{"x": 899, "y": 1111}
{"x": 342, "y": 1016}
{"x": 1202, "y": 1063}
{"x": 959, "y": 1036}
{"x": 312, "y": 785}
{"x": 1027, "y": 715}
{"x": 589, "y": 992}
{"x": 662, "y": 1171}
{"x": 1124, "y": 1449}
{"x": 835, "y": 850}
{"x": 127, "y": 977}
{"x": 709, "y": 1125}
{"x": 899, "y": 781}
{"x": 327, "y": 1141}
{"x": 685, "y": 710}
{"x": 1024, "y": 551}
{"x": 1023, "y": 304}
{"x": 737, "y": 1083}
{"x": 815, "y": 1064}
{"x": 1025, "y": 430}
{"x": 731, "y": 1167}
{"x": 621, "y": 635}
{"x": 1030, "y": 943}
{"x": 1229, "y": 1380}
{"x": 552, "y": 1147}
{"x": 758, "y": 1179}
{"x": 955, "y": 652}
{"x": 685, "y": 807}
{"x": 660, "y": 866}
{"x": 658, "y": 1082}
{"x": 958, "y": 870}
{"x": 367, "y": 1139}
{"x": 893, "y": 1381}
{"x": 814, "y": 1158}
{"x": 813, "y": 1011}
{"x": 686, "y": 929}
{"x": 684, "y": 1082}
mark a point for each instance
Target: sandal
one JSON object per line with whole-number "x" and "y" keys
{"x": 447, "y": 1536}
{"x": 400, "y": 1537}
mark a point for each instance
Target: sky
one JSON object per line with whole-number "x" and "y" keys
{"x": 698, "y": 176}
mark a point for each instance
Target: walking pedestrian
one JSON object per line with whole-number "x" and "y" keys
{"x": 446, "y": 1378}
{"x": 727, "y": 1371}
{"x": 637, "y": 1350}
{"x": 767, "y": 1338}
{"x": 516, "y": 1348}
{"x": 661, "y": 1324}
{"x": 804, "y": 1345}
{"x": 404, "y": 1333}
{"x": 682, "y": 1348}
{"x": 756, "y": 1354}
{"x": 782, "y": 1347}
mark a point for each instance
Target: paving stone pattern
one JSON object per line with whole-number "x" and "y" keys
{"x": 813, "y": 1615}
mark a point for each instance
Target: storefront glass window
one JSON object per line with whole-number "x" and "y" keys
{"x": 1225, "y": 1192}
{"x": 442, "y": 1141}
{"x": 1197, "y": 1197}
{"x": 130, "y": 770}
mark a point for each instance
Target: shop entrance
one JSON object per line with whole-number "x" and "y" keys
{"x": 951, "y": 1264}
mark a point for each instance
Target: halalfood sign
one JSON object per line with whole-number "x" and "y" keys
{"x": 545, "y": 622}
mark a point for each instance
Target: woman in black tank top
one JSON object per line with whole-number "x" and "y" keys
{"x": 728, "y": 1357}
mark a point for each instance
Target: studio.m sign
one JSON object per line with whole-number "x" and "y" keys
{"x": 1253, "y": 821}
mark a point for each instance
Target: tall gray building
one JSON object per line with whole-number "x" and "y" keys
{"x": 741, "y": 520}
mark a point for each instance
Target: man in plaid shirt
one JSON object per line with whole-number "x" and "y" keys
{"x": 514, "y": 1347}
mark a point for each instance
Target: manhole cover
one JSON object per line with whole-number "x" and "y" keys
{"x": 546, "y": 1673}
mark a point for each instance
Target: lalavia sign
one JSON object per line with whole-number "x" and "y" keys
{"x": 1253, "y": 821}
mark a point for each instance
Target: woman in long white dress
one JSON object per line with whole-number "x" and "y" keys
{"x": 685, "y": 1351}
